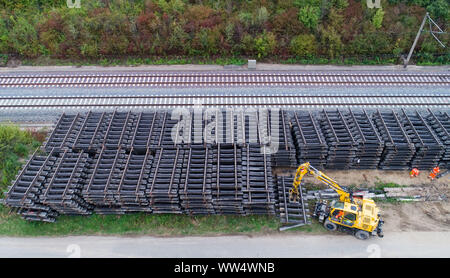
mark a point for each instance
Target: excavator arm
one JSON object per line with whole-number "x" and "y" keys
{"x": 306, "y": 167}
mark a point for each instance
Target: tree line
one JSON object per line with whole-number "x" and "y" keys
{"x": 263, "y": 29}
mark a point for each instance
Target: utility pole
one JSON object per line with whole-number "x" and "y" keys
{"x": 430, "y": 21}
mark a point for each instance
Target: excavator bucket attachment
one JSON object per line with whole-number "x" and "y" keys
{"x": 293, "y": 195}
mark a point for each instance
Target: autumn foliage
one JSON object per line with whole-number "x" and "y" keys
{"x": 228, "y": 28}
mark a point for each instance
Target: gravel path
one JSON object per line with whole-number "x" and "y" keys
{"x": 395, "y": 244}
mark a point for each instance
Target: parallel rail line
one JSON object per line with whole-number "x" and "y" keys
{"x": 222, "y": 79}
{"x": 81, "y": 102}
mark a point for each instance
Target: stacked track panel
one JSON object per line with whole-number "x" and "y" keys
{"x": 429, "y": 148}
{"x": 196, "y": 182}
{"x": 119, "y": 162}
{"x": 291, "y": 212}
{"x": 440, "y": 123}
{"x": 370, "y": 145}
{"x": 90, "y": 135}
{"x": 226, "y": 180}
{"x": 62, "y": 135}
{"x": 144, "y": 134}
{"x": 103, "y": 181}
{"x": 309, "y": 140}
{"x": 342, "y": 145}
{"x": 257, "y": 181}
{"x": 164, "y": 180}
{"x": 134, "y": 181}
{"x": 62, "y": 191}
{"x": 285, "y": 155}
{"x": 120, "y": 130}
{"x": 23, "y": 195}
{"x": 399, "y": 149}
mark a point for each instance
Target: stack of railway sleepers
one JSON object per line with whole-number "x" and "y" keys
{"x": 23, "y": 194}
{"x": 92, "y": 131}
{"x": 62, "y": 134}
{"x": 429, "y": 148}
{"x": 226, "y": 179}
{"x": 341, "y": 143}
{"x": 369, "y": 143}
{"x": 247, "y": 127}
{"x": 195, "y": 183}
{"x": 399, "y": 149}
{"x": 144, "y": 131}
{"x": 308, "y": 139}
{"x": 440, "y": 123}
{"x": 62, "y": 190}
{"x": 173, "y": 130}
{"x": 285, "y": 155}
{"x": 164, "y": 180}
{"x": 257, "y": 181}
{"x": 103, "y": 181}
{"x": 163, "y": 131}
{"x": 291, "y": 212}
{"x": 120, "y": 130}
{"x": 134, "y": 182}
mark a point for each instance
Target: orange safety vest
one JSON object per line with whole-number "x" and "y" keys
{"x": 414, "y": 172}
{"x": 434, "y": 172}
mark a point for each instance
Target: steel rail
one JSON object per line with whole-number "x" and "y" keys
{"x": 226, "y": 104}
{"x": 218, "y": 75}
{"x": 219, "y": 79}
{"x": 308, "y": 82}
{"x": 227, "y": 100}
{"x": 214, "y": 96}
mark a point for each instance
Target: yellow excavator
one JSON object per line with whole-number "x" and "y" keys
{"x": 353, "y": 214}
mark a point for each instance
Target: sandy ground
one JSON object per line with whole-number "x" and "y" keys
{"x": 418, "y": 216}
{"x": 370, "y": 178}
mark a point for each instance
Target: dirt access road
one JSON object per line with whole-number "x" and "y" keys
{"x": 394, "y": 244}
{"x": 411, "y": 230}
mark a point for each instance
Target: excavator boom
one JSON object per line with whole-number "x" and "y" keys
{"x": 306, "y": 167}
{"x": 358, "y": 215}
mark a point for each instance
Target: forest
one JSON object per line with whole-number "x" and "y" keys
{"x": 309, "y": 31}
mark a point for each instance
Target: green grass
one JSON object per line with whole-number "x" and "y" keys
{"x": 314, "y": 228}
{"x": 135, "y": 61}
{"x": 183, "y": 60}
{"x": 387, "y": 200}
{"x": 138, "y": 224}
{"x": 382, "y": 185}
{"x": 15, "y": 146}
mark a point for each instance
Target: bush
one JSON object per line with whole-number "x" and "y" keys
{"x": 330, "y": 42}
{"x": 14, "y": 144}
{"x": 304, "y": 45}
{"x": 377, "y": 19}
{"x": 309, "y": 16}
{"x": 103, "y": 28}
{"x": 23, "y": 37}
{"x": 265, "y": 44}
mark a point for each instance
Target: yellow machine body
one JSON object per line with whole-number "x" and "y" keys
{"x": 354, "y": 213}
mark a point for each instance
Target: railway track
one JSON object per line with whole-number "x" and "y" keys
{"x": 172, "y": 101}
{"x": 228, "y": 79}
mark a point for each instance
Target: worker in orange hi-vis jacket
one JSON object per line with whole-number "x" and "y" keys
{"x": 414, "y": 173}
{"x": 434, "y": 173}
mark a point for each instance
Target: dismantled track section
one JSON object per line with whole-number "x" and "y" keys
{"x": 222, "y": 79}
{"x": 124, "y": 162}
